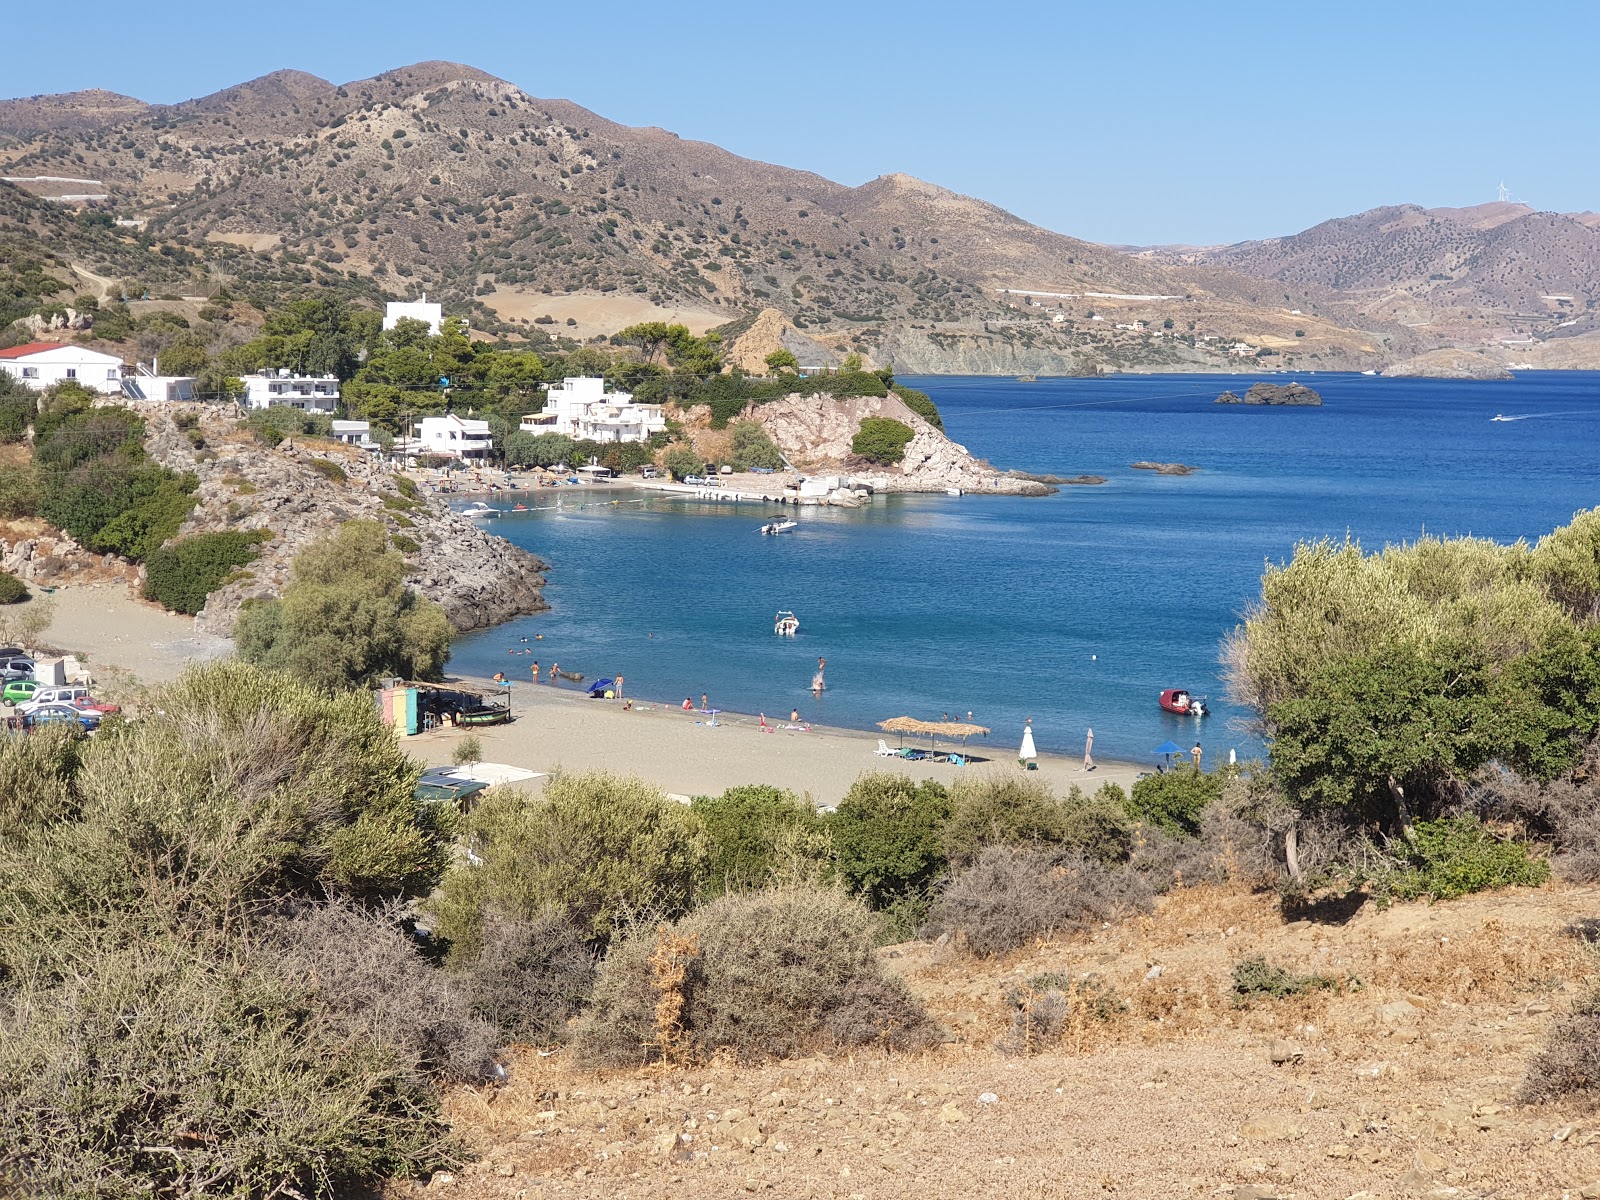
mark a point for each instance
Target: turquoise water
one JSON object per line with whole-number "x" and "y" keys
{"x": 1075, "y": 610}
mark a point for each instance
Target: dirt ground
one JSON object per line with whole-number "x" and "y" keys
{"x": 1401, "y": 1083}
{"x": 598, "y": 313}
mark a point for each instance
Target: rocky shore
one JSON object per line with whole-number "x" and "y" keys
{"x": 1165, "y": 468}
{"x": 303, "y": 488}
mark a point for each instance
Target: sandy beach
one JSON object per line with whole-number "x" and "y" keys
{"x": 560, "y": 728}
{"x": 126, "y": 641}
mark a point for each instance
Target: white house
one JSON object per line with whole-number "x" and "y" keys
{"x": 309, "y": 393}
{"x": 42, "y": 364}
{"x": 354, "y": 433}
{"x": 431, "y": 315}
{"x": 454, "y": 437}
{"x": 581, "y": 408}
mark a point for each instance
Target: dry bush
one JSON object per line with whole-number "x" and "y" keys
{"x": 1570, "y": 1061}
{"x": 1489, "y": 963}
{"x": 371, "y": 979}
{"x": 530, "y": 978}
{"x": 1012, "y": 896}
{"x": 1054, "y": 1009}
{"x": 1565, "y": 811}
{"x": 776, "y": 973}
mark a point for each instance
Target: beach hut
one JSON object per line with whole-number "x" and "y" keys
{"x": 934, "y": 729}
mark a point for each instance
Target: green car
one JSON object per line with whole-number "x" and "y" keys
{"x": 19, "y": 690}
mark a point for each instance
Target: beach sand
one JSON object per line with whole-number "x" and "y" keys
{"x": 122, "y": 638}
{"x": 560, "y": 728}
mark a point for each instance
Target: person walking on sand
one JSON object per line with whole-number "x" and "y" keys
{"x": 1088, "y": 751}
{"x": 1195, "y": 754}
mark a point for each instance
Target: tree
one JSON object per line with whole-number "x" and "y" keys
{"x": 681, "y": 461}
{"x": 888, "y": 836}
{"x": 752, "y": 447}
{"x": 347, "y": 616}
{"x": 782, "y": 360}
{"x": 753, "y": 833}
{"x": 650, "y": 336}
{"x": 186, "y": 356}
{"x": 17, "y": 404}
{"x": 852, "y": 362}
{"x": 881, "y": 440}
{"x": 538, "y": 449}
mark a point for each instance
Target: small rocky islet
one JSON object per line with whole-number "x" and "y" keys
{"x": 1294, "y": 395}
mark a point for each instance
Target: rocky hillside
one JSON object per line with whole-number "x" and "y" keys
{"x": 439, "y": 176}
{"x": 305, "y": 487}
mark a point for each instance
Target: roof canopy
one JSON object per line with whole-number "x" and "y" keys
{"x": 958, "y": 729}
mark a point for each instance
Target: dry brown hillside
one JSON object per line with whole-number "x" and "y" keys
{"x": 1402, "y": 1084}
{"x": 439, "y": 176}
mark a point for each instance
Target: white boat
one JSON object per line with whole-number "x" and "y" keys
{"x": 1364, "y": 372}
{"x": 478, "y": 510}
{"x": 786, "y": 624}
{"x": 780, "y": 526}
{"x": 1501, "y": 417}
{"x": 952, "y": 491}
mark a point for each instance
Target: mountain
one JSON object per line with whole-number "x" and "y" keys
{"x": 538, "y": 212}
{"x": 1492, "y": 270}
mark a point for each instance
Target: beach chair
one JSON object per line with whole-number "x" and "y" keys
{"x": 886, "y": 751}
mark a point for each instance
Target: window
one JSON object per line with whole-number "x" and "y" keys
{"x": 30, "y": 372}
{"x": 72, "y": 372}
{"x": 112, "y": 372}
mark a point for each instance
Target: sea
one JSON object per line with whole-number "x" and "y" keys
{"x": 1074, "y": 610}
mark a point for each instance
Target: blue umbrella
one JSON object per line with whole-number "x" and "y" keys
{"x": 1168, "y": 748}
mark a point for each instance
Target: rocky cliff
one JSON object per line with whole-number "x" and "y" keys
{"x": 305, "y": 487}
{"x": 1449, "y": 364}
{"x": 814, "y": 433}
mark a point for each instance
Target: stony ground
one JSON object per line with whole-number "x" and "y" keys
{"x": 1400, "y": 1084}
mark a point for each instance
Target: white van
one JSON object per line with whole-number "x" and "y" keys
{"x": 54, "y": 695}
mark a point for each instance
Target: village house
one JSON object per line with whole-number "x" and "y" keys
{"x": 452, "y": 437}
{"x": 354, "y": 433}
{"x": 431, "y": 315}
{"x": 308, "y": 393}
{"x": 582, "y": 409}
{"x": 43, "y": 364}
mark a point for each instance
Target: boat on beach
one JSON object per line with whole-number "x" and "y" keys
{"x": 1179, "y": 701}
{"x": 782, "y": 525}
{"x": 490, "y": 715}
{"x": 786, "y": 624}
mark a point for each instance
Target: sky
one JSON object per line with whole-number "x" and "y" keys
{"x": 1142, "y": 123}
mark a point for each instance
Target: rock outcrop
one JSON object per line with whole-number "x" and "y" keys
{"x": 48, "y": 558}
{"x": 814, "y": 434}
{"x": 1164, "y": 468}
{"x": 293, "y": 491}
{"x": 1448, "y": 364}
{"x": 1291, "y": 394}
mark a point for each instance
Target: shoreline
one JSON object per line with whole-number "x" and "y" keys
{"x": 686, "y": 754}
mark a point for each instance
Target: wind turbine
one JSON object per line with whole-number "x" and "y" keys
{"x": 1504, "y": 192}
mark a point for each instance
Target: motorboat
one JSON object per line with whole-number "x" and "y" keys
{"x": 786, "y": 624}
{"x": 782, "y": 525}
{"x": 1501, "y": 417}
{"x": 478, "y": 510}
{"x": 952, "y": 491}
{"x": 1178, "y": 700}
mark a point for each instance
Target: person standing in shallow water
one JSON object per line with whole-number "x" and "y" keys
{"x": 536, "y": 670}
{"x": 1088, "y": 751}
{"x": 1195, "y": 754}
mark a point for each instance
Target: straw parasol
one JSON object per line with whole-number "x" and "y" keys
{"x": 934, "y": 729}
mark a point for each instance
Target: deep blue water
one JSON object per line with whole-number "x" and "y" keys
{"x": 1075, "y": 610}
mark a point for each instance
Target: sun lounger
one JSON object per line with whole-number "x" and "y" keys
{"x": 886, "y": 751}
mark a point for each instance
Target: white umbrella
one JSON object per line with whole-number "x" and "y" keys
{"x": 1027, "y": 751}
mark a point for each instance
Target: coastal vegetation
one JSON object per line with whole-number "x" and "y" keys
{"x": 881, "y": 440}
{"x": 181, "y": 575}
{"x": 347, "y": 616}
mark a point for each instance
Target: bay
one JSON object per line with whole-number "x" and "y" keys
{"x": 1076, "y": 609}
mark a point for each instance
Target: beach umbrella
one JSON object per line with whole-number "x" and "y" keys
{"x": 934, "y": 729}
{"x": 1168, "y": 748}
{"x": 1026, "y": 752}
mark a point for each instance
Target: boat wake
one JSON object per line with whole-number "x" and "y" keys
{"x": 1532, "y": 416}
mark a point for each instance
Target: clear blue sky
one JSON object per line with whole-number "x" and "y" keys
{"x": 1156, "y": 122}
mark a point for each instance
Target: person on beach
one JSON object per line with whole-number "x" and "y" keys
{"x": 500, "y": 677}
{"x": 705, "y": 704}
{"x": 1088, "y": 751}
{"x": 555, "y": 672}
{"x": 619, "y": 687}
{"x": 688, "y": 704}
{"x": 536, "y": 670}
{"x": 794, "y": 716}
{"x": 1195, "y": 754}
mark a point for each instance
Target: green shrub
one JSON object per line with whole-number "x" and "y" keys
{"x": 186, "y": 420}
{"x": 406, "y": 545}
{"x": 881, "y": 440}
{"x": 1174, "y": 800}
{"x": 768, "y": 975}
{"x": 752, "y": 447}
{"x": 406, "y": 486}
{"x": 888, "y": 836}
{"x": 399, "y": 504}
{"x": 12, "y": 589}
{"x": 20, "y": 486}
{"x": 181, "y": 576}
{"x": 920, "y": 403}
{"x": 467, "y": 751}
{"x": 681, "y": 461}
{"x": 756, "y": 834}
{"x": 212, "y": 1074}
{"x": 1255, "y": 978}
{"x": 17, "y": 405}
{"x": 1021, "y": 810}
{"x": 596, "y": 849}
{"x": 1451, "y": 857}
{"x": 328, "y": 469}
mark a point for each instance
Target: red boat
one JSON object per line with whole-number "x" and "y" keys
{"x": 1178, "y": 700}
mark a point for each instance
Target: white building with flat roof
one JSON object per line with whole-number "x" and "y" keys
{"x": 353, "y": 433}
{"x": 431, "y": 315}
{"x": 453, "y": 437}
{"x": 308, "y": 393}
{"x": 581, "y": 408}
{"x": 44, "y": 364}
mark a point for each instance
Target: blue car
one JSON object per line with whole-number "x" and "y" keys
{"x": 52, "y": 714}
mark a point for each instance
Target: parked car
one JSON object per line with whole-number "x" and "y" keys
{"x": 14, "y": 652}
{"x": 90, "y": 704}
{"x": 648, "y": 473}
{"x": 19, "y": 691}
{"x": 54, "y": 714}
{"x": 16, "y": 668}
{"x": 65, "y": 694}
